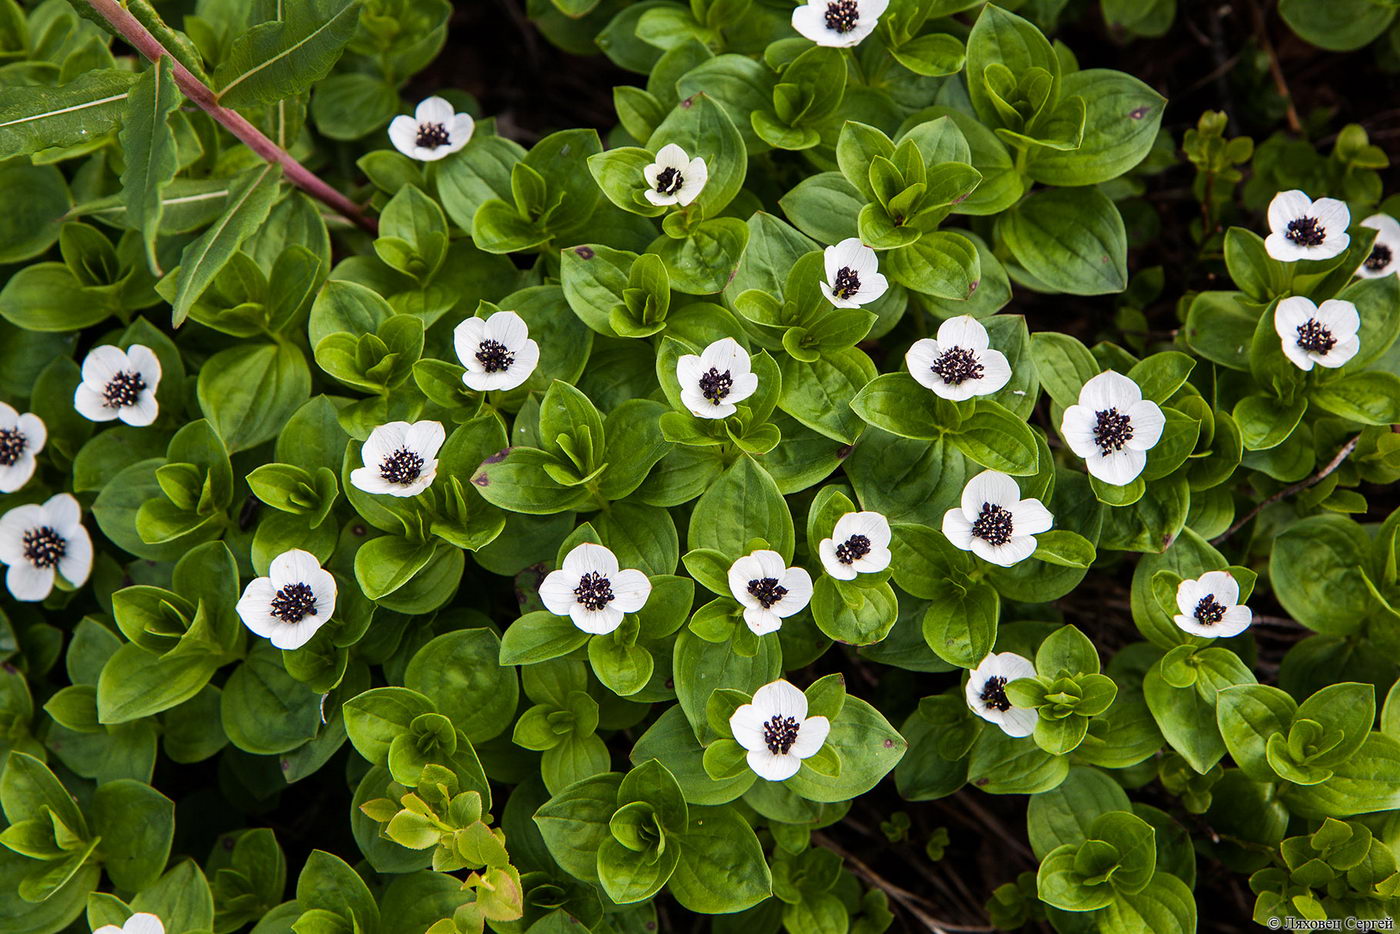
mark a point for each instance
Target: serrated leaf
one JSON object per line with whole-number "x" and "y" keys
{"x": 35, "y": 118}
{"x": 281, "y": 59}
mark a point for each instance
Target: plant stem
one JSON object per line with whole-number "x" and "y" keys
{"x": 1288, "y": 491}
{"x": 141, "y": 39}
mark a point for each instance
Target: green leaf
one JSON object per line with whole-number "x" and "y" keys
{"x": 284, "y": 57}
{"x": 1121, "y": 124}
{"x": 148, "y": 144}
{"x": 1071, "y": 240}
{"x": 38, "y": 118}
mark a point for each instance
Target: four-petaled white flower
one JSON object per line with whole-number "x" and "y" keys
{"x": 853, "y": 274}
{"x": 775, "y": 729}
{"x": 1112, "y": 428}
{"x": 119, "y": 384}
{"x": 959, "y": 364}
{"x": 675, "y": 178}
{"x": 1324, "y": 335}
{"x": 769, "y": 590}
{"x": 142, "y": 922}
{"x": 838, "y": 23}
{"x": 994, "y": 523}
{"x": 37, "y": 541}
{"x": 714, "y": 381}
{"x": 1385, "y": 251}
{"x": 399, "y": 458}
{"x": 295, "y": 599}
{"x": 860, "y": 544}
{"x": 1210, "y": 606}
{"x": 1300, "y": 228}
{"x": 986, "y": 693}
{"x": 434, "y": 131}
{"x": 593, "y": 591}
{"x": 21, "y": 437}
{"x": 497, "y": 351}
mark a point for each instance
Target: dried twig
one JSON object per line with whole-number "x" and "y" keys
{"x": 1261, "y": 32}
{"x": 1288, "y": 491}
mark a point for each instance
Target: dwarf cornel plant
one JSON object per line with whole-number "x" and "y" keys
{"x": 889, "y": 478}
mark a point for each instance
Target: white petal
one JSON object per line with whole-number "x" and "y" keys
{"x": 742, "y": 571}
{"x": 744, "y": 385}
{"x": 90, "y": 404}
{"x": 1341, "y": 353}
{"x": 1339, "y": 317}
{"x": 425, "y": 438}
{"x": 919, "y": 358}
{"x": 1189, "y": 593}
{"x": 63, "y": 513}
{"x": 254, "y": 607}
{"x": 16, "y": 475}
{"x": 725, "y": 355}
{"x": 689, "y": 368}
{"x": 557, "y": 592}
{"x": 1109, "y": 390}
{"x": 596, "y": 622}
{"x": 403, "y": 133}
{"x": 1284, "y": 250}
{"x": 746, "y": 725}
{"x": 772, "y": 766}
{"x": 508, "y": 329}
{"x": 76, "y": 563}
{"x": 799, "y": 592}
{"x": 810, "y": 22}
{"x": 293, "y": 567}
{"x": 872, "y": 525}
{"x": 826, "y": 550}
{"x": 294, "y": 635}
{"x": 1195, "y": 627}
{"x": 875, "y": 561}
{"x": 957, "y": 529}
{"x": 1292, "y": 313}
{"x": 693, "y": 180}
{"x": 460, "y": 131}
{"x": 435, "y": 110}
{"x": 701, "y": 407}
{"x": 1017, "y": 549}
{"x": 990, "y": 487}
{"x": 963, "y": 331}
{"x": 466, "y": 340}
{"x": 1333, "y": 216}
{"x": 143, "y": 922}
{"x": 146, "y": 364}
{"x": 13, "y": 525}
{"x": 589, "y": 557}
{"x": 810, "y": 736}
{"x": 1147, "y": 422}
{"x": 1030, "y": 517}
{"x": 1288, "y": 206}
{"x": 383, "y": 442}
{"x": 36, "y": 433}
{"x": 28, "y": 583}
{"x": 760, "y": 621}
{"x": 102, "y": 363}
{"x": 631, "y": 588}
{"x": 996, "y": 372}
{"x": 1018, "y": 722}
{"x": 671, "y": 156}
{"x": 369, "y": 480}
{"x": 142, "y": 412}
{"x": 781, "y": 699}
{"x": 659, "y": 199}
{"x": 1222, "y": 586}
{"x": 872, "y": 286}
{"x": 1235, "y": 621}
{"x": 1118, "y": 468}
{"x": 1297, "y": 355}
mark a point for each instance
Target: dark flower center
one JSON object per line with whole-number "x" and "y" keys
{"x": 669, "y": 181}
{"x": 12, "y": 445}
{"x": 494, "y": 356}
{"x": 1379, "y": 259}
{"x": 956, "y": 366}
{"x": 779, "y": 733}
{"x": 841, "y": 15}
{"x": 1314, "y": 337}
{"x": 294, "y": 603}
{"x": 594, "y": 591}
{"x": 847, "y": 283}
{"x": 993, "y": 525}
{"x": 123, "y": 390}
{"x": 44, "y": 547}
{"x": 403, "y": 466}
{"x": 994, "y": 694}
{"x": 767, "y": 591}
{"x": 715, "y": 385}
{"x": 433, "y": 135}
{"x": 1305, "y": 232}
{"x": 1208, "y": 612}
{"x": 853, "y": 549}
{"x": 1112, "y": 430}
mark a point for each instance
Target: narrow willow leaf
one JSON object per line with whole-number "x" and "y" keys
{"x": 187, "y": 204}
{"x": 248, "y": 207}
{"x": 283, "y": 58}
{"x": 149, "y": 145}
{"x": 35, "y": 118}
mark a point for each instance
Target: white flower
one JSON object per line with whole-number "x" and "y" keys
{"x": 852, "y": 274}
{"x": 21, "y": 437}
{"x": 591, "y": 590}
{"x": 497, "y": 351}
{"x": 715, "y": 380}
{"x": 959, "y": 364}
{"x": 860, "y": 544}
{"x": 1112, "y": 428}
{"x": 292, "y": 602}
{"x": 1300, "y": 228}
{"x": 777, "y": 732}
{"x": 140, "y": 923}
{"x": 994, "y": 523}
{"x": 838, "y": 23}
{"x": 675, "y": 178}
{"x": 434, "y": 131}
{"x": 1385, "y": 251}
{"x": 119, "y": 384}
{"x": 400, "y": 458}
{"x": 1210, "y": 606}
{"x": 37, "y": 541}
{"x": 769, "y": 590}
{"x": 1311, "y": 334}
{"x": 986, "y": 692}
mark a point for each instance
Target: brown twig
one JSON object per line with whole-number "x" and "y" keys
{"x": 1288, "y": 491}
{"x": 141, "y": 39}
{"x": 1261, "y": 30}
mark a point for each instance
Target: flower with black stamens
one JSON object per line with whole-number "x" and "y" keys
{"x": 986, "y": 693}
{"x": 713, "y": 382}
{"x": 1112, "y": 427}
{"x": 859, "y": 544}
{"x": 593, "y": 591}
{"x": 21, "y": 438}
{"x": 776, "y": 731}
{"x": 960, "y": 363}
{"x": 1210, "y": 606}
{"x": 295, "y": 599}
{"x": 433, "y": 132}
{"x": 143, "y": 922}
{"x": 39, "y": 542}
{"x": 1385, "y": 252}
{"x": 838, "y": 23}
{"x": 119, "y": 384}
{"x": 993, "y": 522}
{"x": 768, "y": 589}
{"x": 1300, "y": 228}
{"x": 497, "y": 351}
{"x": 400, "y": 458}
{"x": 1322, "y": 335}
{"x": 853, "y": 274}
{"x": 674, "y": 178}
